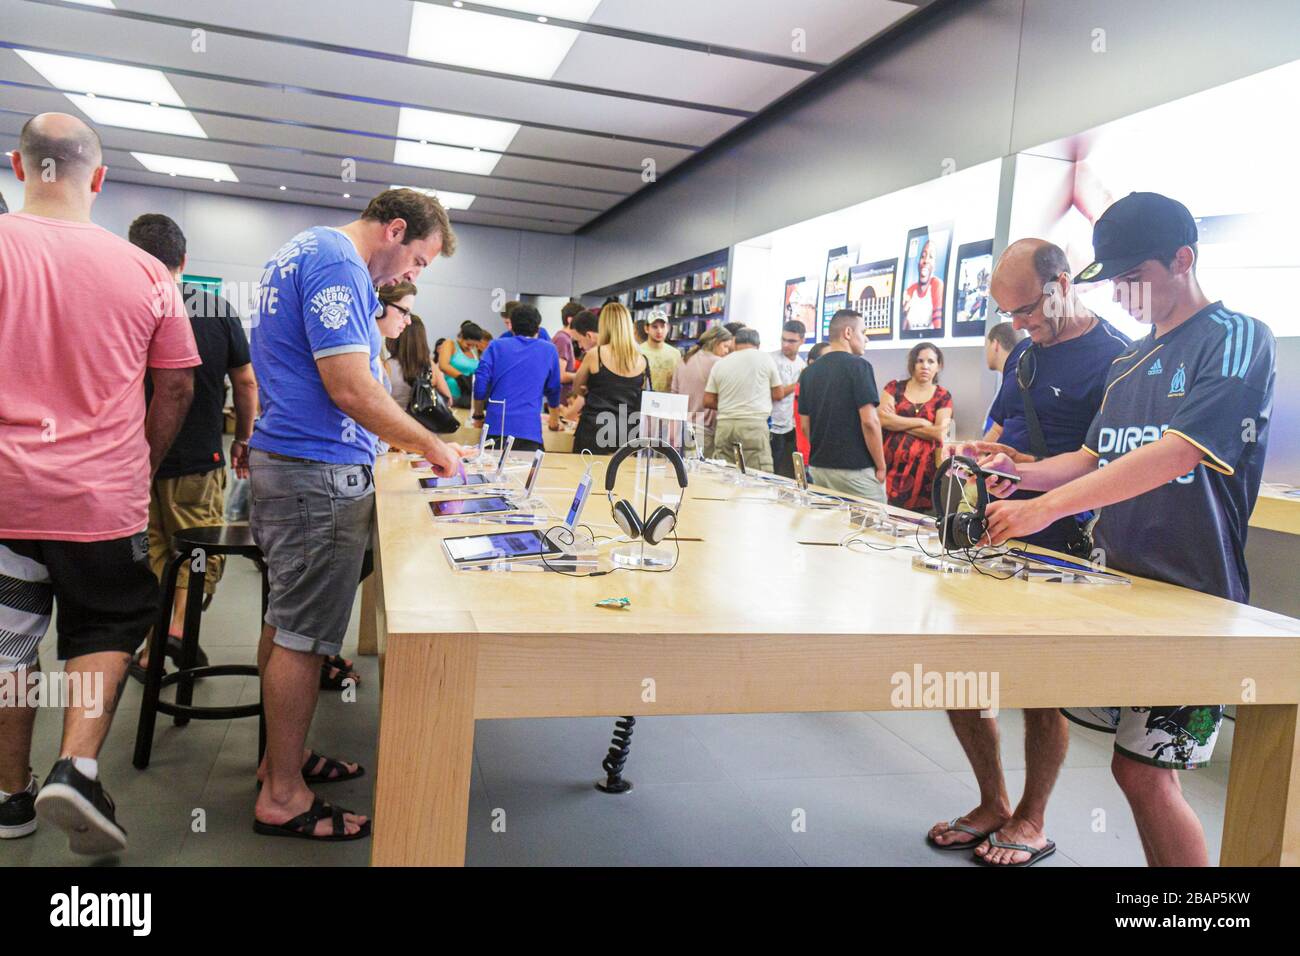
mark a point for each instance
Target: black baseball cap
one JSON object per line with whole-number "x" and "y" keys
{"x": 1139, "y": 227}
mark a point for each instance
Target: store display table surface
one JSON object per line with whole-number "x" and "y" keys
{"x": 761, "y": 615}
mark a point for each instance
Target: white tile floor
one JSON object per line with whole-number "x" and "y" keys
{"x": 707, "y": 790}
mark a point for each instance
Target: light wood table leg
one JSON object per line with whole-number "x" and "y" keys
{"x": 1261, "y": 825}
{"x": 426, "y": 750}
{"x": 367, "y": 629}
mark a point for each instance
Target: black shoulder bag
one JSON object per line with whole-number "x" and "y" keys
{"x": 428, "y": 407}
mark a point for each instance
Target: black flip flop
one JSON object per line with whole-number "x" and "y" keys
{"x": 321, "y": 776}
{"x": 302, "y": 826}
{"x": 953, "y": 824}
{"x": 1035, "y": 853}
{"x": 324, "y": 775}
{"x": 174, "y": 652}
{"x": 344, "y": 671}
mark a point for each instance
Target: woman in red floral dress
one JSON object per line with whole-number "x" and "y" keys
{"x": 915, "y": 414}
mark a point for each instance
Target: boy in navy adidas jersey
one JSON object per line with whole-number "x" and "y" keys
{"x": 1174, "y": 459}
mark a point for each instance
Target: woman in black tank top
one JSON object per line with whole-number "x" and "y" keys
{"x": 611, "y": 410}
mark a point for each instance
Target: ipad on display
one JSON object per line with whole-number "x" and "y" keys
{"x": 1066, "y": 564}
{"x": 476, "y": 549}
{"x": 454, "y": 481}
{"x": 470, "y": 506}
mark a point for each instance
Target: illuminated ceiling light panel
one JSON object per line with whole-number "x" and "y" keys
{"x": 447, "y": 128}
{"x": 449, "y": 200}
{"x": 179, "y": 166}
{"x": 93, "y": 80}
{"x": 106, "y": 4}
{"x": 485, "y": 42}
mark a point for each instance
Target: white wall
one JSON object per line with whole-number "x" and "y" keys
{"x": 981, "y": 80}
{"x": 232, "y": 237}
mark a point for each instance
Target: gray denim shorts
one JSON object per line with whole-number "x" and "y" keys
{"x": 313, "y": 523}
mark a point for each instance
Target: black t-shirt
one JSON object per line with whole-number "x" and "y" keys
{"x": 831, "y": 391}
{"x": 222, "y": 346}
{"x": 1210, "y": 381}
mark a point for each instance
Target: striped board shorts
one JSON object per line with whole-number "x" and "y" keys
{"x": 26, "y": 603}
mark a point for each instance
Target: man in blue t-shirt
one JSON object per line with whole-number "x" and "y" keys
{"x": 1181, "y": 433}
{"x": 518, "y": 371}
{"x": 1063, "y": 366}
{"x": 315, "y": 349}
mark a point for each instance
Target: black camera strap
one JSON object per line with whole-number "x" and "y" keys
{"x": 1037, "y": 443}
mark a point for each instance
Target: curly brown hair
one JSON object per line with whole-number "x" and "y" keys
{"x": 422, "y": 213}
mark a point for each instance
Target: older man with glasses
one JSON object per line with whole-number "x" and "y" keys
{"x": 1053, "y": 380}
{"x": 1052, "y": 387}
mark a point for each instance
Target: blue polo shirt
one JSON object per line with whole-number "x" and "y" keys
{"x": 519, "y": 371}
{"x": 1209, "y": 381}
{"x": 315, "y": 299}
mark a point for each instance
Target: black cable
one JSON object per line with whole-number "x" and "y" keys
{"x": 565, "y": 530}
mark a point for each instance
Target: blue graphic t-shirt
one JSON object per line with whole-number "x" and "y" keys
{"x": 315, "y": 299}
{"x": 1210, "y": 381}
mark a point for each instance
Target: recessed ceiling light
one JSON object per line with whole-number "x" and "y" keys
{"x": 347, "y": 195}
{"x": 449, "y": 200}
{"x": 457, "y": 3}
{"x": 106, "y": 4}
{"x": 283, "y": 188}
{"x": 133, "y": 93}
{"x": 472, "y": 134}
{"x": 501, "y": 44}
{"x": 180, "y": 166}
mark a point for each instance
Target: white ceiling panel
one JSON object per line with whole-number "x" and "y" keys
{"x": 831, "y": 28}
{"x": 675, "y": 73}
{"x": 290, "y": 93}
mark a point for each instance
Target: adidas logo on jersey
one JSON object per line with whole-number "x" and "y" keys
{"x": 1156, "y": 368}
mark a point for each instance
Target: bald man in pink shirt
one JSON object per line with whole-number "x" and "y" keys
{"x": 83, "y": 314}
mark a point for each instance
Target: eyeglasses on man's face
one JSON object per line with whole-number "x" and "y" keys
{"x": 1024, "y": 312}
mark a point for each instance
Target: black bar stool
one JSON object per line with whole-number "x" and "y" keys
{"x": 195, "y": 545}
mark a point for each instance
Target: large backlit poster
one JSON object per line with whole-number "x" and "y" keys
{"x": 925, "y": 263}
{"x": 801, "y": 302}
{"x": 835, "y": 292}
{"x": 871, "y": 292}
{"x": 970, "y": 297}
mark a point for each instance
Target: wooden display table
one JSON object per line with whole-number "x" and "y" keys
{"x": 1276, "y": 512}
{"x": 753, "y": 621}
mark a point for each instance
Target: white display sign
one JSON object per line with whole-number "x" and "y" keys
{"x": 664, "y": 405}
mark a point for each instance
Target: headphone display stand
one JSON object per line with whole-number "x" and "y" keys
{"x": 639, "y": 554}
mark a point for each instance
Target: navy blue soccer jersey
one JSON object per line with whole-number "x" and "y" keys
{"x": 1209, "y": 381}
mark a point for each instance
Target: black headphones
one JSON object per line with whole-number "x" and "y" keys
{"x": 959, "y": 530}
{"x": 663, "y": 519}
